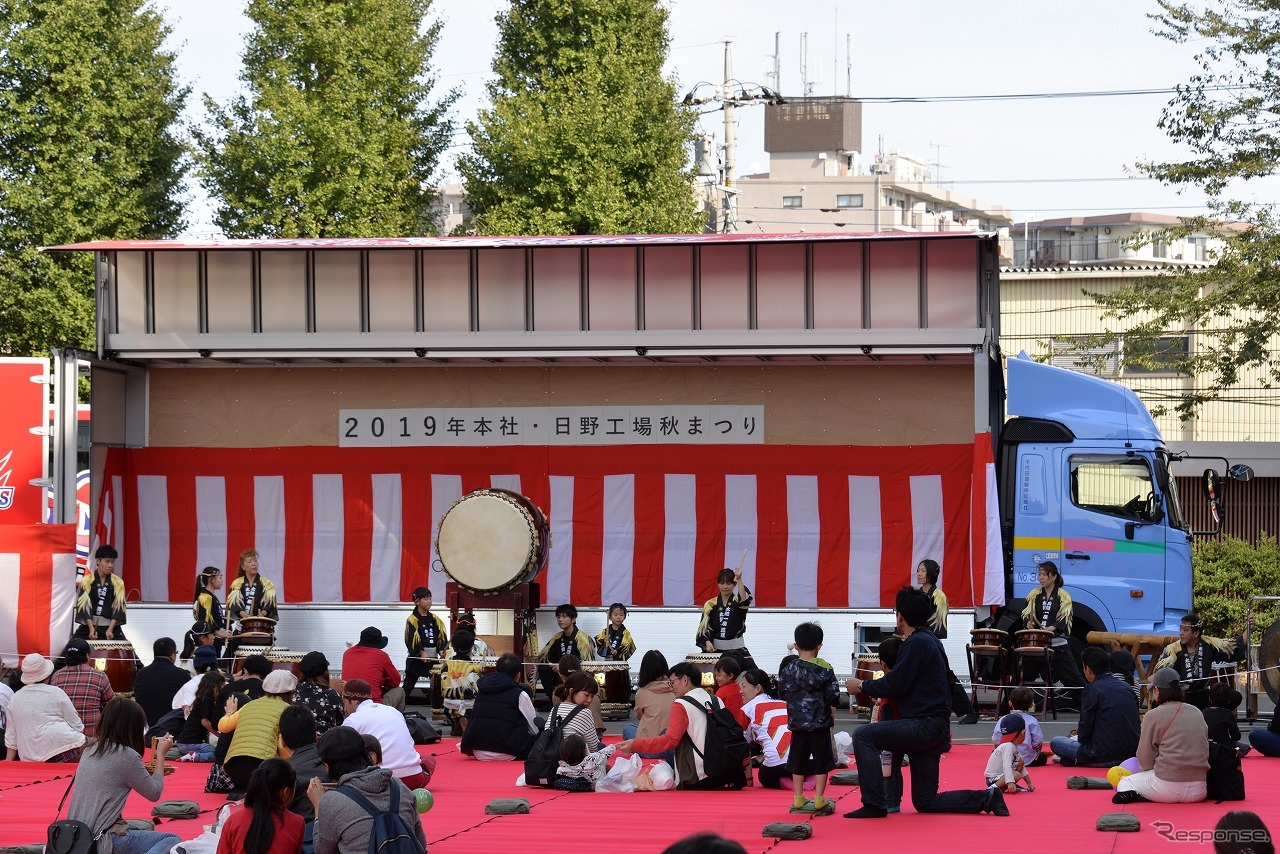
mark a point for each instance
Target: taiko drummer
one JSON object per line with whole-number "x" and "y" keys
{"x": 724, "y": 618}
{"x": 614, "y": 643}
{"x": 568, "y": 641}
{"x": 425, "y": 640}
{"x": 252, "y": 595}
{"x": 100, "y": 605}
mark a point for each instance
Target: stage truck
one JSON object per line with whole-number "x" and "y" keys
{"x": 823, "y": 410}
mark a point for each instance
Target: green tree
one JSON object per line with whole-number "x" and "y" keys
{"x": 337, "y": 136}
{"x": 1227, "y": 572}
{"x": 584, "y": 134}
{"x": 88, "y": 150}
{"x": 1228, "y": 116}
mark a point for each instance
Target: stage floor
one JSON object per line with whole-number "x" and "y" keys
{"x": 1051, "y": 819}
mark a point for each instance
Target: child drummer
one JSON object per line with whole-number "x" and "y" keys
{"x": 724, "y": 618}
{"x": 568, "y": 641}
{"x": 614, "y": 643}
{"x": 424, "y": 638}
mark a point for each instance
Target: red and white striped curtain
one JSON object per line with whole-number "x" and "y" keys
{"x": 37, "y": 589}
{"x": 646, "y": 525}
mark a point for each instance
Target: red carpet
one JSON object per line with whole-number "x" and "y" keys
{"x": 1056, "y": 818}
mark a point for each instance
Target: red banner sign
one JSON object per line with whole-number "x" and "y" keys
{"x": 23, "y": 454}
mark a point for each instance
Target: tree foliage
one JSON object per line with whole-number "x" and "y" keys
{"x": 1227, "y": 572}
{"x": 88, "y": 150}
{"x": 584, "y": 134}
{"x": 1228, "y": 116}
{"x": 337, "y": 136}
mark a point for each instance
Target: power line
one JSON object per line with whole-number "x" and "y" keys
{"x": 1033, "y": 96}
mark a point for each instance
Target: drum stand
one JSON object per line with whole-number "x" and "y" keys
{"x": 522, "y": 600}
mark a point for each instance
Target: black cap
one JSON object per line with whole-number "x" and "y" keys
{"x": 313, "y": 664}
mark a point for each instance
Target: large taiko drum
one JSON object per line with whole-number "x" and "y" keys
{"x": 706, "y": 664}
{"x": 116, "y": 659}
{"x": 258, "y": 626}
{"x": 286, "y": 659}
{"x": 614, "y": 679}
{"x": 1033, "y": 638}
{"x": 493, "y": 539}
{"x": 242, "y": 654}
{"x": 989, "y": 637}
{"x": 868, "y": 667}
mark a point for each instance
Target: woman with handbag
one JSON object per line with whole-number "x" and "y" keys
{"x": 109, "y": 771}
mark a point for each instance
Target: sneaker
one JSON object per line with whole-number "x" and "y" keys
{"x": 828, "y": 807}
{"x": 1129, "y": 796}
{"x": 188, "y": 757}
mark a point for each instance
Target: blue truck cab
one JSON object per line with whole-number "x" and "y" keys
{"x": 1085, "y": 482}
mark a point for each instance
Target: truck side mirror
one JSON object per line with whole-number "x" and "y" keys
{"x": 1240, "y": 472}
{"x": 1157, "y": 509}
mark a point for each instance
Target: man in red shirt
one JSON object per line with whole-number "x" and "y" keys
{"x": 368, "y": 660}
{"x": 88, "y": 687}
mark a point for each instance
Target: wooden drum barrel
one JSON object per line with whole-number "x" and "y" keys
{"x": 116, "y": 659}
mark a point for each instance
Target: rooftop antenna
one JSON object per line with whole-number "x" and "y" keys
{"x": 937, "y": 161}
{"x": 804, "y": 64}
{"x": 776, "y": 74}
{"x": 848, "y": 65}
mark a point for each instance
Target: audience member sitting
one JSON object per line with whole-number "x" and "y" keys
{"x": 767, "y": 727}
{"x": 566, "y": 667}
{"x": 1267, "y": 741}
{"x": 109, "y": 771}
{"x": 42, "y": 725}
{"x": 503, "y": 723}
{"x": 205, "y": 660}
{"x": 459, "y": 680}
{"x": 265, "y": 825}
{"x": 653, "y": 698}
{"x": 253, "y": 672}
{"x": 342, "y": 824}
{"x": 1220, "y": 717}
{"x": 686, "y": 680}
{"x": 1123, "y": 667}
{"x": 726, "y": 673}
{"x": 256, "y": 728}
{"x": 157, "y": 684}
{"x": 388, "y": 726}
{"x": 1109, "y": 723}
{"x": 6, "y": 694}
{"x": 1242, "y": 832}
{"x": 577, "y": 691}
{"x": 88, "y": 687}
{"x": 1173, "y": 752}
{"x": 298, "y": 745}
{"x": 202, "y": 721}
{"x": 368, "y": 661}
{"x": 313, "y": 691}
{"x": 1021, "y": 702}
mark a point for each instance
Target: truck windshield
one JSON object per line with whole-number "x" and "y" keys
{"x": 1114, "y": 485}
{"x": 1169, "y": 485}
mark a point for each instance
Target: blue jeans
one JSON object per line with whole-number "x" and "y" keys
{"x": 629, "y": 732}
{"x": 924, "y": 740}
{"x": 203, "y": 751}
{"x": 1265, "y": 741}
{"x": 1072, "y": 752}
{"x": 143, "y": 842}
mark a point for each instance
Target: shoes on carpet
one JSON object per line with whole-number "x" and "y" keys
{"x": 1129, "y": 796}
{"x": 995, "y": 802}
{"x": 806, "y": 808}
{"x": 867, "y": 811}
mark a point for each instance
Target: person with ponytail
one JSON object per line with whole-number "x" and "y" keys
{"x": 207, "y": 607}
{"x": 202, "y": 720}
{"x": 265, "y": 825}
{"x": 766, "y": 726}
{"x": 201, "y": 634}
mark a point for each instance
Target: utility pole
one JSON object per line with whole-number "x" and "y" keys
{"x": 730, "y": 144}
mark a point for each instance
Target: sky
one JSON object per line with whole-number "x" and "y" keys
{"x": 1041, "y": 158}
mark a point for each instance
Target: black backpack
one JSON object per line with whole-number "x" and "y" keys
{"x": 389, "y": 834}
{"x": 544, "y": 755}
{"x": 422, "y": 730}
{"x": 725, "y": 752}
{"x": 1225, "y": 780}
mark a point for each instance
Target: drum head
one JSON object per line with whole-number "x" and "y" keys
{"x": 487, "y": 541}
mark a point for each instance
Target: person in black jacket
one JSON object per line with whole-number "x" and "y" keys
{"x": 1109, "y": 726}
{"x": 919, "y": 684}
{"x": 156, "y": 684}
{"x": 503, "y": 724}
{"x": 298, "y": 738}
